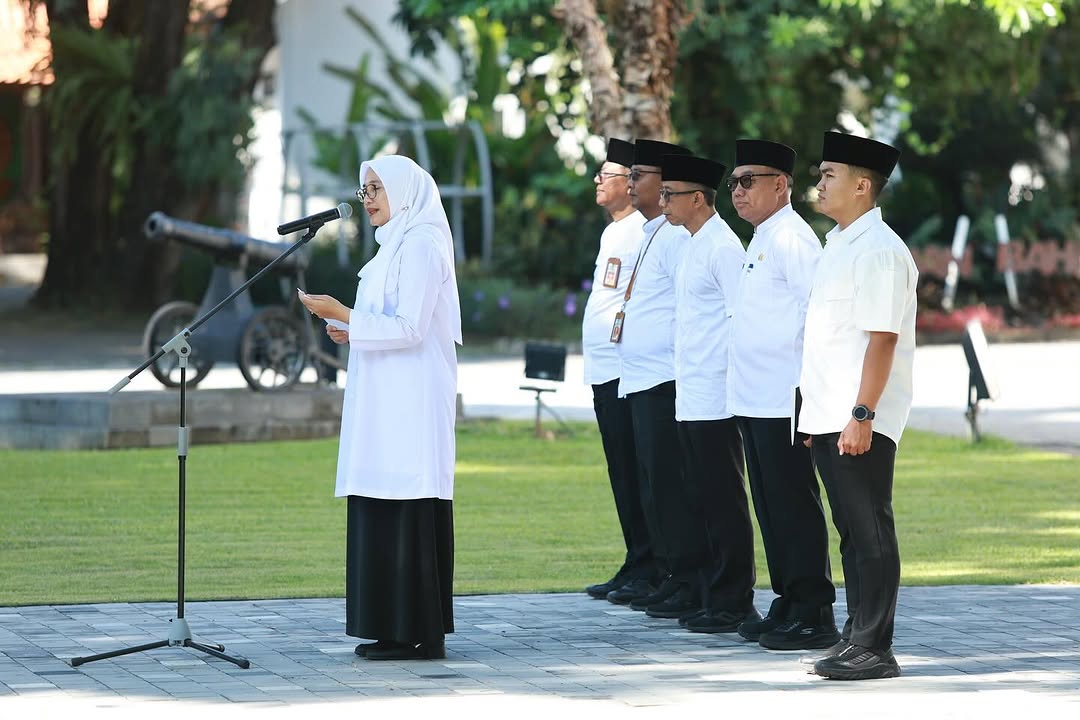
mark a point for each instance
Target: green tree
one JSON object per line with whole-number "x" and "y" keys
{"x": 144, "y": 113}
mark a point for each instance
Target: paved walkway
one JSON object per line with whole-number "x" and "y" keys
{"x": 965, "y": 652}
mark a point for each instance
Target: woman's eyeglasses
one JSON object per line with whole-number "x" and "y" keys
{"x": 745, "y": 180}
{"x": 371, "y": 190}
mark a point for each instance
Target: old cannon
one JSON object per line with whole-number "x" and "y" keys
{"x": 271, "y": 345}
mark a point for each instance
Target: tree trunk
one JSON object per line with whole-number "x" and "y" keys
{"x": 80, "y": 233}
{"x": 649, "y": 43}
{"x": 588, "y": 33}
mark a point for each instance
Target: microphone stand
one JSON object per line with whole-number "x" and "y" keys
{"x": 179, "y": 634}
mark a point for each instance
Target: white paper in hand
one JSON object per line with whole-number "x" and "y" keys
{"x": 338, "y": 325}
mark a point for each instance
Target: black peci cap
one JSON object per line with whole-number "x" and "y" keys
{"x": 688, "y": 168}
{"x": 620, "y": 152}
{"x": 652, "y": 152}
{"x": 860, "y": 151}
{"x": 765, "y": 152}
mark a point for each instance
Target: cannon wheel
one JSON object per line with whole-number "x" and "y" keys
{"x": 272, "y": 350}
{"x": 163, "y": 326}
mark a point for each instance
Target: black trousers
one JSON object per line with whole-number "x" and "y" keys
{"x": 787, "y": 501}
{"x": 671, "y": 501}
{"x": 860, "y": 493}
{"x": 617, "y": 434}
{"x": 713, "y": 452}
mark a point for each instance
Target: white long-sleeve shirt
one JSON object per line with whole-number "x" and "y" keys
{"x": 620, "y": 240}
{"x": 647, "y": 350}
{"x": 397, "y": 423}
{"x": 704, "y": 289}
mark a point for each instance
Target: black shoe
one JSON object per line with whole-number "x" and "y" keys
{"x": 684, "y": 600}
{"x": 722, "y": 621}
{"x": 362, "y": 648}
{"x": 667, "y": 588}
{"x": 408, "y": 651}
{"x": 601, "y": 590}
{"x": 631, "y": 591}
{"x": 752, "y": 629}
{"x": 800, "y": 635}
{"x": 690, "y": 615}
{"x": 858, "y": 663}
{"x": 812, "y": 658}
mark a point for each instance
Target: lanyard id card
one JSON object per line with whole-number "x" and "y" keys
{"x": 616, "y": 328}
{"x": 611, "y": 274}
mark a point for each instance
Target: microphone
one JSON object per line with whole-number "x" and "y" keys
{"x": 343, "y": 211}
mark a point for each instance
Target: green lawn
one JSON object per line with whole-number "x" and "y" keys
{"x": 530, "y": 516}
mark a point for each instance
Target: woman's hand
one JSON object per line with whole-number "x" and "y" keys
{"x": 326, "y": 307}
{"x": 341, "y": 337}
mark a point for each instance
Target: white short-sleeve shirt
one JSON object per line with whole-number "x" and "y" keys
{"x": 647, "y": 350}
{"x": 704, "y": 289}
{"x": 620, "y": 241}
{"x": 769, "y": 314}
{"x": 865, "y": 282}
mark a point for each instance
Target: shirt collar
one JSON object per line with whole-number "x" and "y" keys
{"x": 773, "y": 220}
{"x": 849, "y": 234}
{"x": 650, "y": 226}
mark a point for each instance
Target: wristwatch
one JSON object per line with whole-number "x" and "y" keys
{"x": 861, "y": 413}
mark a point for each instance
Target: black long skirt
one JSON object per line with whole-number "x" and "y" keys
{"x": 399, "y": 569}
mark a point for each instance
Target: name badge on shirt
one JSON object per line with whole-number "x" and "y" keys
{"x": 616, "y": 328}
{"x": 611, "y": 275}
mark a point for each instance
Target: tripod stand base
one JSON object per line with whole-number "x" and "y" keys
{"x": 179, "y": 636}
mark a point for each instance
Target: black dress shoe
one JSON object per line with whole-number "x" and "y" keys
{"x": 800, "y": 634}
{"x": 721, "y": 621}
{"x": 631, "y": 591}
{"x": 408, "y": 651}
{"x": 690, "y": 615}
{"x": 667, "y": 588}
{"x": 752, "y": 629}
{"x": 684, "y": 600}
{"x": 601, "y": 590}
{"x": 362, "y": 648}
{"x": 858, "y": 663}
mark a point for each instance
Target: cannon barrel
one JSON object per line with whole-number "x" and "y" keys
{"x": 223, "y": 243}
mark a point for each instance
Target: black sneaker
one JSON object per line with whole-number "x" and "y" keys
{"x": 812, "y": 658}
{"x": 858, "y": 663}
{"x": 800, "y": 635}
{"x": 684, "y": 600}
{"x": 667, "y": 588}
{"x": 722, "y": 621}
{"x": 631, "y": 591}
{"x": 601, "y": 590}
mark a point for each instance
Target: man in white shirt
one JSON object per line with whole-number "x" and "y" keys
{"x": 766, "y": 353}
{"x": 712, "y": 446}
{"x": 644, "y": 332}
{"x": 619, "y": 245}
{"x": 857, "y": 387}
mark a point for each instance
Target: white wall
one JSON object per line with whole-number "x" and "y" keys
{"x": 311, "y": 33}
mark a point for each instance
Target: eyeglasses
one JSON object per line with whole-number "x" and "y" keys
{"x": 666, "y": 194}
{"x": 635, "y": 175}
{"x": 371, "y": 190}
{"x": 745, "y": 180}
{"x": 603, "y": 176}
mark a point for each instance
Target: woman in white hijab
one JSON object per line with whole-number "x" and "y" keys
{"x": 396, "y": 455}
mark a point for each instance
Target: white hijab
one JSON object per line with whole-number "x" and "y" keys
{"x": 415, "y": 204}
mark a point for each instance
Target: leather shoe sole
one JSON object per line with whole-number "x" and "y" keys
{"x": 423, "y": 651}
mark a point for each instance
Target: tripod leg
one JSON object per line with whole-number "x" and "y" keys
{"x": 76, "y": 662}
{"x": 562, "y": 423}
{"x": 238, "y": 661}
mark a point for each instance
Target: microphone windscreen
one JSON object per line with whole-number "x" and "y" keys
{"x": 345, "y": 210}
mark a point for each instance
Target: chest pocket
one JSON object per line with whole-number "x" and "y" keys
{"x": 839, "y": 297}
